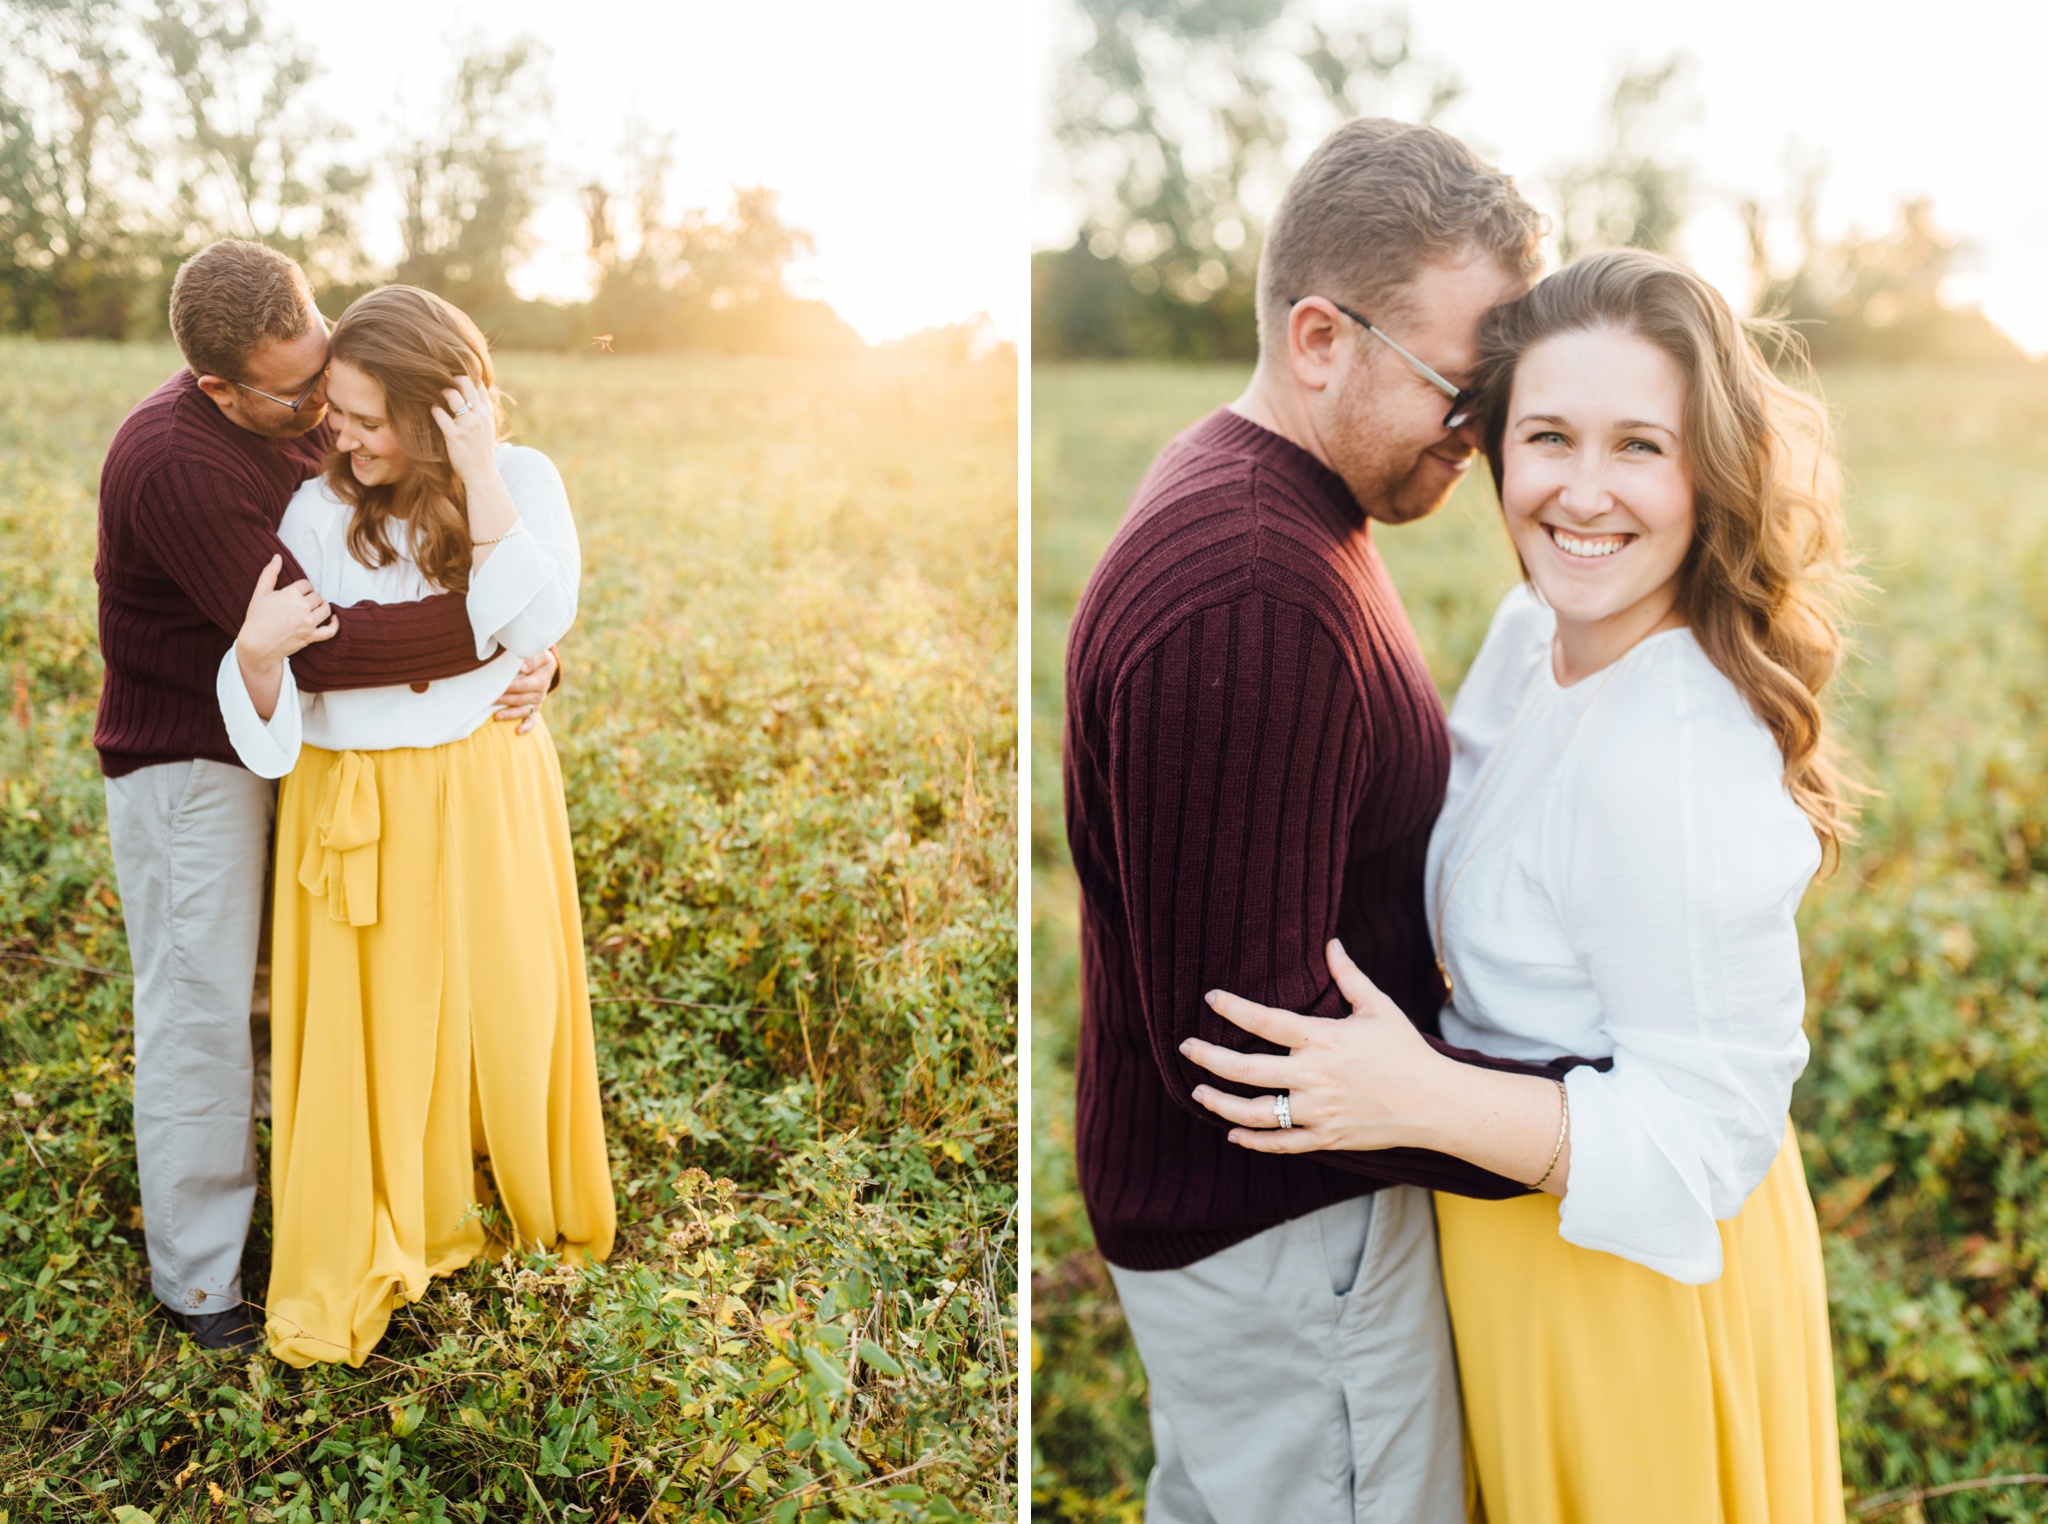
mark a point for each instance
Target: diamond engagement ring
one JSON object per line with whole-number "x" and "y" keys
{"x": 1281, "y": 1113}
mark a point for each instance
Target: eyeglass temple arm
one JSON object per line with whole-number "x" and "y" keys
{"x": 1366, "y": 323}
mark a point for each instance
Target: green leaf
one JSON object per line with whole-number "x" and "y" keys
{"x": 830, "y": 1374}
{"x": 832, "y": 1446}
{"x": 873, "y": 1354}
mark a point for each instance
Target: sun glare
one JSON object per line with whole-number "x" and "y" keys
{"x": 896, "y": 141}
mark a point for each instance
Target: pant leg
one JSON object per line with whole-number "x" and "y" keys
{"x": 1305, "y": 1374}
{"x": 190, "y": 841}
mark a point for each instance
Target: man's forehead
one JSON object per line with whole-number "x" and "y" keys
{"x": 287, "y": 360}
{"x": 1449, "y": 299}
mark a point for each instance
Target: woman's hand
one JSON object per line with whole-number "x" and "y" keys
{"x": 470, "y": 426}
{"x": 1367, "y": 1081}
{"x": 280, "y": 620}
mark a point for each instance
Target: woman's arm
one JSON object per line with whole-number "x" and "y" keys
{"x": 1677, "y": 862}
{"x": 254, "y": 686}
{"x": 469, "y": 424}
{"x": 1372, "y": 1081}
{"x": 279, "y": 621}
{"x": 525, "y": 600}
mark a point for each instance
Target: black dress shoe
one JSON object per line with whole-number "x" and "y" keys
{"x": 235, "y": 1329}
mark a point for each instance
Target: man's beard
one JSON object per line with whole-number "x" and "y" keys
{"x": 1393, "y": 484}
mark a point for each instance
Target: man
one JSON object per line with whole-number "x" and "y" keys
{"x": 1255, "y": 755}
{"x": 191, "y": 494}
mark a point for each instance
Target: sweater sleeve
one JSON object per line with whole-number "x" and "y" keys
{"x": 212, "y": 539}
{"x": 1235, "y": 747}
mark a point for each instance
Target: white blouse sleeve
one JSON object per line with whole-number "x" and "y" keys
{"x": 1684, "y": 860}
{"x": 268, "y": 748}
{"x": 524, "y": 598}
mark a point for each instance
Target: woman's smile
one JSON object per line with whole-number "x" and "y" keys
{"x": 1587, "y": 547}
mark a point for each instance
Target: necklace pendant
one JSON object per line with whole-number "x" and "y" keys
{"x": 1445, "y": 974}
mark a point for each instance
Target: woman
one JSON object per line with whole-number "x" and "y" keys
{"x": 432, "y": 1051}
{"x": 1640, "y": 792}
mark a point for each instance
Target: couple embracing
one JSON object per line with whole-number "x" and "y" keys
{"x": 1434, "y": 1074}
{"x": 319, "y": 563}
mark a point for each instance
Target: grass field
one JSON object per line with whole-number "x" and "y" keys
{"x": 1922, "y": 1115}
{"x": 789, "y": 732}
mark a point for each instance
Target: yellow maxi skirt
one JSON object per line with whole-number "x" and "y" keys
{"x": 1599, "y": 1392}
{"x": 431, "y": 1048}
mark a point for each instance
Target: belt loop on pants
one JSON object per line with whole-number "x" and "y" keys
{"x": 340, "y": 860}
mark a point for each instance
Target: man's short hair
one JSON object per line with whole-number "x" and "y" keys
{"x": 1376, "y": 202}
{"x": 231, "y": 296}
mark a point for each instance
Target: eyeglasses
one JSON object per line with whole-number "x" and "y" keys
{"x": 1463, "y": 402}
{"x": 297, "y": 402}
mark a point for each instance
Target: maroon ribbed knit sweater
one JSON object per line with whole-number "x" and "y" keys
{"x": 189, "y": 509}
{"x": 1254, "y": 757}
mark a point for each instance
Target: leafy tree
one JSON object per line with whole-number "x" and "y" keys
{"x": 1180, "y": 123}
{"x": 701, "y": 276}
{"x": 1631, "y": 194}
{"x": 1867, "y": 296}
{"x": 470, "y": 186}
{"x": 75, "y": 237}
{"x": 257, "y": 160}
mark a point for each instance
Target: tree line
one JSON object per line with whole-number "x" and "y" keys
{"x": 1176, "y": 122}
{"x": 135, "y": 132}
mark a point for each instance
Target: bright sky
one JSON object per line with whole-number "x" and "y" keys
{"x": 896, "y": 131}
{"x": 1947, "y": 104}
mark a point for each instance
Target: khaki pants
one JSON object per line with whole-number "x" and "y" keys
{"x": 1305, "y": 1374}
{"x": 191, "y": 844}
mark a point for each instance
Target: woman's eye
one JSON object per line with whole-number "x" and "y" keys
{"x": 1548, "y": 436}
{"x": 1640, "y": 445}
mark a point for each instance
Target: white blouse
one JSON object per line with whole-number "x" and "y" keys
{"x": 1615, "y": 872}
{"x": 520, "y": 603}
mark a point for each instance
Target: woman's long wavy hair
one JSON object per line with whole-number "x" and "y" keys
{"x": 414, "y": 345}
{"x": 1763, "y": 583}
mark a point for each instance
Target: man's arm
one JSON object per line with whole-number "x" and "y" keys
{"x": 217, "y": 555}
{"x": 1235, "y": 747}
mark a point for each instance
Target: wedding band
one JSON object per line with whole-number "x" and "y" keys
{"x": 459, "y": 410}
{"x": 1281, "y": 1114}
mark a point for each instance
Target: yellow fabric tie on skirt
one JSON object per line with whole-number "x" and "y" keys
{"x": 340, "y": 861}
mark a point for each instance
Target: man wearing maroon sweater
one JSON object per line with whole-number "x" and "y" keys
{"x": 1254, "y": 757}
{"x": 191, "y": 494}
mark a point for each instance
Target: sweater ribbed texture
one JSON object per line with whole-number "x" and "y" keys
{"x": 1254, "y": 757}
{"x": 188, "y": 514}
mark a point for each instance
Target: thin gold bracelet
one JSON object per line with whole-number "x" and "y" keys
{"x": 1564, "y": 1121}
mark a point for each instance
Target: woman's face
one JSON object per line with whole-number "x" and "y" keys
{"x": 1595, "y": 482}
{"x": 355, "y": 402}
